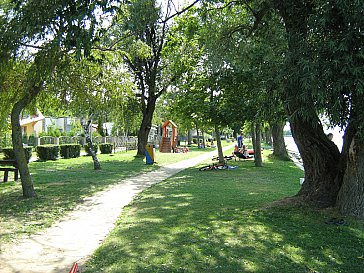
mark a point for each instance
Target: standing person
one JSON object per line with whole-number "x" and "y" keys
{"x": 240, "y": 141}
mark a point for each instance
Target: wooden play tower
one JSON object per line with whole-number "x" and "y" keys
{"x": 169, "y": 137}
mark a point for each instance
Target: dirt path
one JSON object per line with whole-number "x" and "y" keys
{"x": 79, "y": 234}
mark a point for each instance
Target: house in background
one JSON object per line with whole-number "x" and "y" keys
{"x": 32, "y": 124}
{"x": 64, "y": 124}
{"x": 36, "y": 124}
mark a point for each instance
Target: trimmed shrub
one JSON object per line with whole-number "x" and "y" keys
{"x": 106, "y": 148}
{"x": 9, "y": 153}
{"x": 24, "y": 139}
{"x": 70, "y": 150}
{"x": 47, "y": 152}
{"x": 31, "y": 140}
{"x": 88, "y": 150}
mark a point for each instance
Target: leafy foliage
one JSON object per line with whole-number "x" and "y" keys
{"x": 95, "y": 146}
{"x": 70, "y": 150}
{"x": 336, "y": 46}
{"x": 47, "y": 152}
{"x": 9, "y": 153}
{"x": 106, "y": 148}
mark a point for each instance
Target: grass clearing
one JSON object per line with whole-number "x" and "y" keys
{"x": 62, "y": 184}
{"x": 220, "y": 221}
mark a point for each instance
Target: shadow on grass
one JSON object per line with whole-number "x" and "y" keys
{"x": 214, "y": 222}
{"x": 60, "y": 185}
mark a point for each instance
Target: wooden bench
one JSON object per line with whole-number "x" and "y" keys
{"x": 10, "y": 166}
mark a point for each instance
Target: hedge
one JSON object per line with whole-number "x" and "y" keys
{"x": 70, "y": 150}
{"x": 106, "y": 148}
{"x": 87, "y": 149}
{"x": 47, "y": 152}
{"x": 9, "y": 153}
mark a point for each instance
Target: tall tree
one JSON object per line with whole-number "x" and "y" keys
{"x": 323, "y": 73}
{"x": 337, "y": 45}
{"x": 142, "y": 36}
{"x": 50, "y": 30}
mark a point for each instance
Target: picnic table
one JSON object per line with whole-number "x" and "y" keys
{"x": 9, "y": 165}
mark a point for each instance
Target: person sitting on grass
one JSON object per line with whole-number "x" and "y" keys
{"x": 240, "y": 152}
{"x": 236, "y": 149}
{"x": 245, "y": 152}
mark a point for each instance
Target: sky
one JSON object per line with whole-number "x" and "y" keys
{"x": 336, "y": 131}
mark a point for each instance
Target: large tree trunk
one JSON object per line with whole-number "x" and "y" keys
{"x": 351, "y": 196}
{"x": 321, "y": 159}
{"x": 320, "y": 155}
{"x": 145, "y": 126}
{"x": 279, "y": 146}
{"x": 350, "y": 199}
{"x": 257, "y": 146}
{"x": 189, "y": 137}
{"x": 268, "y": 136}
{"x": 86, "y": 129}
{"x": 219, "y": 145}
{"x": 26, "y": 180}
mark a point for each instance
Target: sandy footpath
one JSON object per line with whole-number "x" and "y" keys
{"x": 80, "y": 232}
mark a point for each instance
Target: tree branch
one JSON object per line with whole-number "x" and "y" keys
{"x": 258, "y": 15}
{"x": 181, "y": 11}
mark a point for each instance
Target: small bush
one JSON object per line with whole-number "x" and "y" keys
{"x": 9, "y": 153}
{"x": 24, "y": 139}
{"x": 70, "y": 150}
{"x": 31, "y": 140}
{"x": 106, "y": 148}
{"x": 47, "y": 152}
{"x": 87, "y": 148}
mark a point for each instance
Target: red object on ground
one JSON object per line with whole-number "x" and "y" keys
{"x": 74, "y": 268}
{"x": 250, "y": 151}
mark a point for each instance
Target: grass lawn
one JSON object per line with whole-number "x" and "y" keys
{"x": 222, "y": 221}
{"x": 62, "y": 184}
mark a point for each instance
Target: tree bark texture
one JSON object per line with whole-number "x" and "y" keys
{"x": 350, "y": 199}
{"x": 268, "y": 136}
{"x": 26, "y": 180}
{"x": 351, "y": 196}
{"x": 86, "y": 128}
{"x": 189, "y": 137}
{"x": 279, "y": 146}
{"x": 145, "y": 126}
{"x": 219, "y": 145}
{"x": 321, "y": 160}
{"x": 258, "y": 146}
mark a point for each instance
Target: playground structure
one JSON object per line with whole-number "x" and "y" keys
{"x": 169, "y": 137}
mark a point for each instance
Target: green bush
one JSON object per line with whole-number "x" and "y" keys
{"x": 31, "y": 140}
{"x": 88, "y": 150}
{"x": 24, "y": 138}
{"x": 9, "y": 153}
{"x": 70, "y": 150}
{"x": 47, "y": 152}
{"x": 106, "y": 148}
